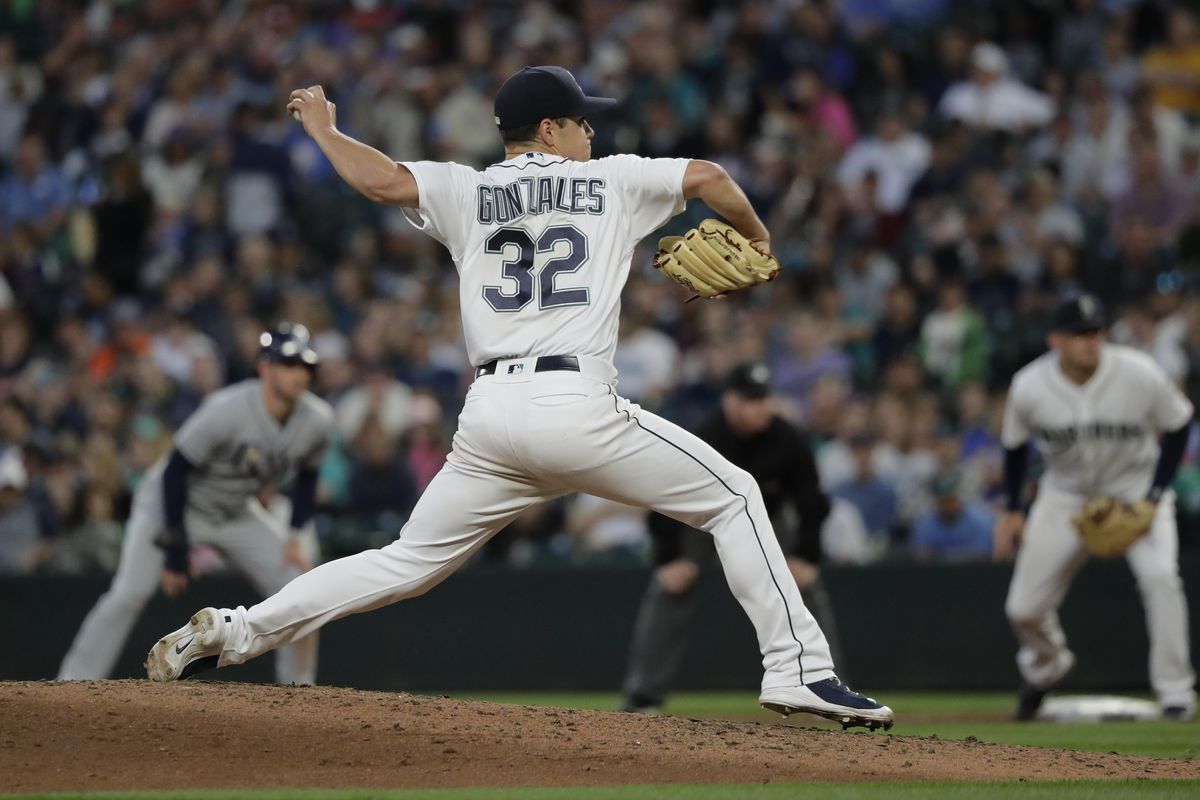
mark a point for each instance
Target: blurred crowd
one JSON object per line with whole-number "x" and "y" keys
{"x": 935, "y": 175}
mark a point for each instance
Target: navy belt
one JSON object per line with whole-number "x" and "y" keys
{"x": 543, "y": 364}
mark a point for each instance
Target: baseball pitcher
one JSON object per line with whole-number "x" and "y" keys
{"x": 542, "y": 242}
{"x": 253, "y": 434}
{"x": 1112, "y": 429}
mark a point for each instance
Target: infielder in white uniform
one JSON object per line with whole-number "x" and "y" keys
{"x": 1109, "y": 423}
{"x": 253, "y": 434}
{"x": 543, "y": 243}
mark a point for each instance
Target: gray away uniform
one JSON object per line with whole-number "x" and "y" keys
{"x": 236, "y": 448}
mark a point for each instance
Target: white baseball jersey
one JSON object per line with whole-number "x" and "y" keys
{"x": 543, "y": 245}
{"x": 1101, "y": 438}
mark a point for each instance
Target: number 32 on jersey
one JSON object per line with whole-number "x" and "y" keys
{"x": 521, "y": 254}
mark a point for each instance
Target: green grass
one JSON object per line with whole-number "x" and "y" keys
{"x": 1163, "y": 739}
{"x": 1067, "y": 790}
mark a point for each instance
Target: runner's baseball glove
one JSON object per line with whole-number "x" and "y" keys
{"x": 1108, "y": 527}
{"x": 713, "y": 258}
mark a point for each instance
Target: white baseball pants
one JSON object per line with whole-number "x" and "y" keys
{"x": 253, "y": 544}
{"x": 525, "y": 437}
{"x": 1050, "y": 556}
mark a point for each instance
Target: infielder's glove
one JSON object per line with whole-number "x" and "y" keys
{"x": 1109, "y": 527}
{"x": 713, "y": 258}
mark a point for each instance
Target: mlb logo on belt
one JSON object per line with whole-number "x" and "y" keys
{"x": 516, "y": 369}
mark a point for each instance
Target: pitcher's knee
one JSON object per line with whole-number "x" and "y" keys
{"x": 744, "y": 483}
{"x": 744, "y": 494}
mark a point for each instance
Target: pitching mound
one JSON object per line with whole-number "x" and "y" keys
{"x": 108, "y": 735}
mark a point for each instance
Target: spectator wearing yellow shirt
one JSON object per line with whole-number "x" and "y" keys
{"x": 1173, "y": 69}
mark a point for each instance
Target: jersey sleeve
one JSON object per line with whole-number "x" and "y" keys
{"x": 444, "y": 202}
{"x": 203, "y": 433}
{"x": 652, "y": 190}
{"x": 1015, "y": 430}
{"x": 1170, "y": 409}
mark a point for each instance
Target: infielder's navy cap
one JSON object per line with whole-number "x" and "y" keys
{"x": 1081, "y": 313}
{"x": 538, "y": 93}
{"x": 288, "y": 344}
{"x": 751, "y": 380}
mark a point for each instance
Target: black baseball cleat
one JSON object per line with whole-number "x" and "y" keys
{"x": 649, "y": 711}
{"x": 1179, "y": 713}
{"x": 1029, "y": 700}
{"x": 194, "y": 648}
{"x": 640, "y": 705}
{"x": 830, "y": 699}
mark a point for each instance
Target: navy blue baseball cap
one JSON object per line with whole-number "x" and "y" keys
{"x": 288, "y": 344}
{"x": 538, "y": 93}
{"x": 1081, "y": 313}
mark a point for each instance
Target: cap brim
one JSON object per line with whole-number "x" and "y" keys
{"x": 305, "y": 358}
{"x": 586, "y": 107}
{"x": 596, "y": 105}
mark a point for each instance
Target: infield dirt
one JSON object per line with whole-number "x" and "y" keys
{"x": 117, "y": 735}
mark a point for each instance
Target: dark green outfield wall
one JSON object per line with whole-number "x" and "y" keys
{"x": 901, "y": 627}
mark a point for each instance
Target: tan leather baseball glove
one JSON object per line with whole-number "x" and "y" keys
{"x": 1109, "y": 527}
{"x": 713, "y": 258}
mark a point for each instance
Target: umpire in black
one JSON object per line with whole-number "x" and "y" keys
{"x": 747, "y": 432}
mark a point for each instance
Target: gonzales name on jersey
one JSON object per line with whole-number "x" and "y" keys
{"x": 505, "y": 203}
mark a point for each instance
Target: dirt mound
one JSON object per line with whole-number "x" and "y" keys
{"x": 108, "y": 735}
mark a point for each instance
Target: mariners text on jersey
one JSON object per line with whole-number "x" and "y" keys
{"x": 1090, "y": 431}
{"x": 529, "y": 195}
